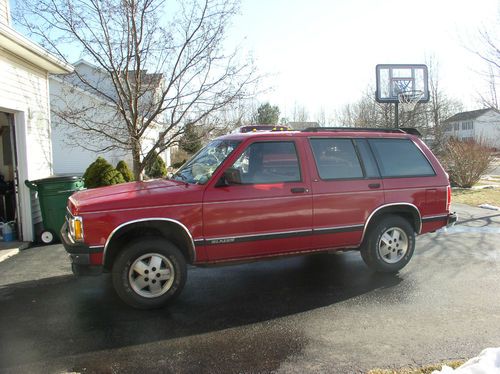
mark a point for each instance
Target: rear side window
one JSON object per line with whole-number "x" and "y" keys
{"x": 400, "y": 158}
{"x": 336, "y": 159}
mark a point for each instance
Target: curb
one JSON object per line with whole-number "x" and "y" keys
{"x": 488, "y": 206}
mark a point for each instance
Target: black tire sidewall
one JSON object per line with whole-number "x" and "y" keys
{"x": 372, "y": 254}
{"x": 133, "y": 251}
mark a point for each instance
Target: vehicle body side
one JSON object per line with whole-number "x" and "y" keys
{"x": 214, "y": 223}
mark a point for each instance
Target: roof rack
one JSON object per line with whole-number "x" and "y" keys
{"x": 406, "y": 130}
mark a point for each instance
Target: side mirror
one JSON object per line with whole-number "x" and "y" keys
{"x": 230, "y": 177}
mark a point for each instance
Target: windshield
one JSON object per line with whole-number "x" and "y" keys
{"x": 200, "y": 168}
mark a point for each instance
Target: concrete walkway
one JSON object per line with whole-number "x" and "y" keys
{"x": 35, "y": 263}
{"x": 9, "y": 249}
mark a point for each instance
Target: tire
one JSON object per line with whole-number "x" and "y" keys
{"x": 389, "y": 244}
{"x": 149, "y": 273}
{"x": 47, "y": 237}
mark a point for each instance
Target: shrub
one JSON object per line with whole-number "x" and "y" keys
{"x": 100, "y": 173}
{"x": 466, "y": 161}
{"x": 123, "y": 168}
{"x": 157, "y": 168}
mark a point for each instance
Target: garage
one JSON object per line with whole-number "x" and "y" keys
{"x": 25, "y": 141}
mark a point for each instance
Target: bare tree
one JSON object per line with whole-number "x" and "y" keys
{"x": 440, "y": 106}
{"x": 366, "y": 112}
{"x": 488, "y": 50}
{"x": 300, "y": 113}
{"x": 160, "y": 66}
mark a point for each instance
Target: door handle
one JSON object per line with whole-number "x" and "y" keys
{"x": 374, "y": 185}
{"x": 299, "y": 190}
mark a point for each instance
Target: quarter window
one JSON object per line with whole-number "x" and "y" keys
{"x": 400, "y": 158}
{"x": 336, "y": 159}
{"x": 267, "y": 162}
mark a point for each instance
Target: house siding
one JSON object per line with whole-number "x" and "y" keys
{"x": 25, "y": 94}
{"x": 4, "y": 12}
{"x": 69, "y": 159}
{"x": 487, "y": 128}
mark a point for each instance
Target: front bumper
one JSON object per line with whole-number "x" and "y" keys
{"x": 452, "y": 219}
{"x": 80, "y": 254}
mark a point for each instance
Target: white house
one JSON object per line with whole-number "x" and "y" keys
{"x": 479, "y": 125}
{"x": 73, "y": 102}
{"x": 25, "y": 146}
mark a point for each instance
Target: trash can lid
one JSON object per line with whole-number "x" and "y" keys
{"x": 58, "y": 179}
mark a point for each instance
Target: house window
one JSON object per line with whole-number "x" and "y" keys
{"x": 467, "y": 125}
{"x": 456, "y": 126}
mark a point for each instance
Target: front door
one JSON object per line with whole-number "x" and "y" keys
{"x": 265, "y": 208}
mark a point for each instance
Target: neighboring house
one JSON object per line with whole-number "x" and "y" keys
{"x": 25, "y": 146}
{"x": 74, "y": 102}
{"x": 479, "y": 125}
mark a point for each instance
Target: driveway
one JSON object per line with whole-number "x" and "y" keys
{"x": 321, "y": 313}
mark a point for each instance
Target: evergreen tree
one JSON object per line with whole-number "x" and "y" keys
{"x": 123, "y": 168}
{"x": 101, "y": 173}
{"x": 190, "y": 141}
{"x": 157, "y": 169}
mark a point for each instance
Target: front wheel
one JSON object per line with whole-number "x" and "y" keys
{"x": 389, "y": 245}
{"x": 148, "y": 273}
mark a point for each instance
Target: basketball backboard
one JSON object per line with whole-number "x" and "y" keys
{"x": 395, "y": 80}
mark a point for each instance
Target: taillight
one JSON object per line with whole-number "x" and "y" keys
{"x": 448, "y": 198}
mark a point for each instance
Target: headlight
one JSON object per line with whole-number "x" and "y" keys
{"x": 76, "y": 228}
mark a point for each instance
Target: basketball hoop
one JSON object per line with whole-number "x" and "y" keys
{"x": 409, "y": 99}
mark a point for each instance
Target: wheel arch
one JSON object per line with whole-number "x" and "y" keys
{"x": 167, "y": 228}
{"x": 406, "y": 210}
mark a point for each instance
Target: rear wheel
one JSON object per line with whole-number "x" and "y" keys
{"x": 149, "y": 273}
{"x": 389, "y": 244}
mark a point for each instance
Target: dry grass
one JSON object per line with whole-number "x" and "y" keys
{"x": 477, "y": 196}
{"x": 422, "y": 370}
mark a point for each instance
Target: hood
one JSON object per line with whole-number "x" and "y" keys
{"x": 156, "y": 192}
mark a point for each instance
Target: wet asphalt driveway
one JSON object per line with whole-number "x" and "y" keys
{"x": 321, "y": 313}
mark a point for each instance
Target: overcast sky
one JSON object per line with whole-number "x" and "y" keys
{"x": 322, "y": 53}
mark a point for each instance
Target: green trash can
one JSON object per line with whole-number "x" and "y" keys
{"x": 53, "y": 193}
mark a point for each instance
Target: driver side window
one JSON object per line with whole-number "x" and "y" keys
{"x": 267, "y": 162}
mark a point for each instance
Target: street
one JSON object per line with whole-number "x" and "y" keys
{"x": 318, "y": 313}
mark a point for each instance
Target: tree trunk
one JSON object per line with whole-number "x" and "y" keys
{"x": 136, "y": 160}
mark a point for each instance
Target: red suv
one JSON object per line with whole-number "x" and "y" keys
{"x": 259, "y": 195}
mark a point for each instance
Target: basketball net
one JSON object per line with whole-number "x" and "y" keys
{"x": 409, "y": 99}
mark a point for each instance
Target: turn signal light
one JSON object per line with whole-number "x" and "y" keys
{"x": 78, "y": 229}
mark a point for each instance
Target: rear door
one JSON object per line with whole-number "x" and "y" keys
{"x": 267, "y": 208}
{"x": 410, "y": 177}
{"x": 346, "y": 187}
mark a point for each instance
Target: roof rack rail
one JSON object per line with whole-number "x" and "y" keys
{"x": 411, "y": 131}
{"x": 406, "y": 130}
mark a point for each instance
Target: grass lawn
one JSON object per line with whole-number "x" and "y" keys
{"x": 423, "y": 370}
{"x": 476, "y": 197}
